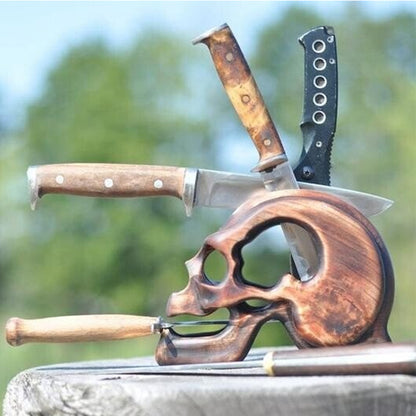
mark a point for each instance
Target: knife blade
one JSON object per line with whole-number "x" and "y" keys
{"x": 319, "y": 117}
{"x": 195, "y": 187}
{"x": 102, "y": 327}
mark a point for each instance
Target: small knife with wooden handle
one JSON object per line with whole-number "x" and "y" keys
{"x": 86, "y": 328}
{"x": 384, "y": 358}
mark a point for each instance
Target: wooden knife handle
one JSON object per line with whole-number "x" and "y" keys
{"x": 385, "y": 358}
{"x": 106, "y": 180}
{"x": 78, "y": 328}
{"x": 244, "y": 94}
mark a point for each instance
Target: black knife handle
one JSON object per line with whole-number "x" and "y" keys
{"x": 320, "y": 105}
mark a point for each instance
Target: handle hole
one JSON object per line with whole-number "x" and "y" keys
{"x": 319, "y": 117}
{"x": 319, "y": 99}
{"x": 320, "y": 81}
{"x": 319, "y": 64}
{"x": 318, "y": 46}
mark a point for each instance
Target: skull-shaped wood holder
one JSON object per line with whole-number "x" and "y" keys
{"x": 347, "y": 301}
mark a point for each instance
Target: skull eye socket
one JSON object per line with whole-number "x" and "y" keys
{"x": 215, "y": 267}
{"x": 266, "y": 260}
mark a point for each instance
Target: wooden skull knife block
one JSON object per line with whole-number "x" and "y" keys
{"x": 347, "y": 301}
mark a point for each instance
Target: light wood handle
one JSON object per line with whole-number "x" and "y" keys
{"x": 244, "y": 94}
{"x": 106, "y": 180}
{"x": 78, "y": 328}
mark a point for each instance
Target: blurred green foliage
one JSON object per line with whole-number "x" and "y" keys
{"x": 160, "y": 102}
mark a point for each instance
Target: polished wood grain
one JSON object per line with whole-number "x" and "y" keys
{"x": 107, "y": 180}
{"x": 244, "y": 95}
{"x": 79, "y": 328}
{"x": 348, "y": 301}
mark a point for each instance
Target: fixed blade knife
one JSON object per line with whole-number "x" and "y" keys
{"x": 319, "y": 106}
{"x": 195, "y": 187}
{"x": 273, "y": 165}
{"x": 83, "y": 328}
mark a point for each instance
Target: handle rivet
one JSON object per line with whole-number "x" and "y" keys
{"x": 318, "y": 143}
{"x": 267, "y": 142}
{"x": 229, "y": 56}
{"x": 59, "y": 179}
{"x": 108, "y": 183}
{"x": 158, "y": 183}
{"x": 307, "y": 172}
{"x": 245, "y": 98}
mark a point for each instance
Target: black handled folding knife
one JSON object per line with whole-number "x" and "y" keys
{"x": 320, "y": 105}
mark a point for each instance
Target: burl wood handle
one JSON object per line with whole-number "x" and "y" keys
{"x": 78, "y": 328}
{"x": 105, "y": 180}
{"x": 244, "y": 94}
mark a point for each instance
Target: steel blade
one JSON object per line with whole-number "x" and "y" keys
{"x": 300, "y": 244}
{"x": 219, "y": 189}
{"x": 368, "y": 204}
{"x": 162, "y": 324}
{"x": 167, "y": 325}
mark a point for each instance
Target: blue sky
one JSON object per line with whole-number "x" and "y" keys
{"x": 33, "y": 35}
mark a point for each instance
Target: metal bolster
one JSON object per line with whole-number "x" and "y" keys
{"x": 33, "y": 186}
{"x": 157, "y": 327}
{"x": 269, "y": 163}
{"x": 209, "y": 33}
{"x": 189, "y": 182}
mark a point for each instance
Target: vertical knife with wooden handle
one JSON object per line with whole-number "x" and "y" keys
{"x": 273, "y": 164}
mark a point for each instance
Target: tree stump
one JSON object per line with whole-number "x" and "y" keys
{"x": 106, "y": 388}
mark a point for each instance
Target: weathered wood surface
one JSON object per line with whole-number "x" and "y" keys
{"x": 97, "y": 388}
